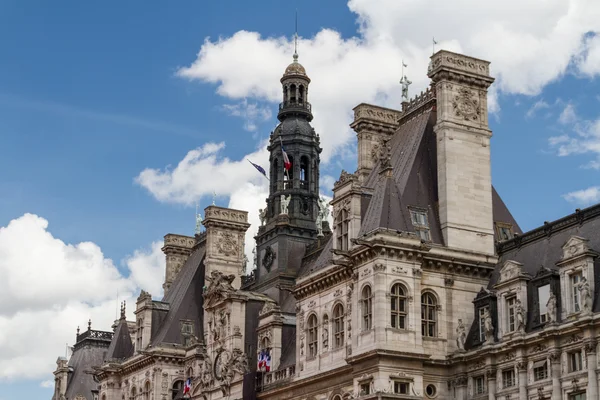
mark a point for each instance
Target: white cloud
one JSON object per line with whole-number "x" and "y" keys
{"x": 584, "y": 197}
{"x": 252, "y": 113}
{"x": 589, "y": 62}
{"x": 147, "y": 268}
{"x": 48, "y": 287}
{"x": 567, "y": 116}
{"x": 537, "y": 106}
{"x": 47, "y": 384}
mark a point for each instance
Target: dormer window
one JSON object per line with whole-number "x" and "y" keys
{"x": 543, "y": 297}
{"x": 511, "y": 314}
{"x": 420, "y": 223}
{"x": 574, "y": 279}
{"x": 342, "y": 230}
{"x": 504, "y": 231}
{"x": 482, "y": 324}
{"x": 187, "y": 332}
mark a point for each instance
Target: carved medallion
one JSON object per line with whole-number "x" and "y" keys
{"x": 466, "y": 106}
{"x": 227, "y": 244}
{"x": 269, "y": 258}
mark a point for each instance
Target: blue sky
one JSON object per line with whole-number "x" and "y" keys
{"x": 101, "y": 104}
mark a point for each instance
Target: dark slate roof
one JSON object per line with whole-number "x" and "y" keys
{"x": 81, "y": 380}
{"x": 185, "y": 300}
{"x": 321, "y": 261}
{"x": 121, "y": 346}
{"x": 293, "y": 125}
{"x": 288, "y": 351}
{"x": 543, "y": 246}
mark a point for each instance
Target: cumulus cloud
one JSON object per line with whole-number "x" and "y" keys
{"x": 251, "y": 113}
{"x": 589, "y": 62}
{"x": 584, "y": 197}
{"x": 147, "y": 268}
{"x": 537, "y": 106}
{"x": 583, "y": 139}
{"x": 567, "y": 115}
{"x": 48, "y": 287}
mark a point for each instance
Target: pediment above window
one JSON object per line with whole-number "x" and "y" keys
{"x": 510, "y": 269}
{"x": 574, "y": 247}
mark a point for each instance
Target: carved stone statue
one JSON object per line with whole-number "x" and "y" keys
{"x": 285, "y": 201}
{"x": 585, "y": 294}
{"x": 520, "y": 314}
{"x": 220, "y": 285}
{"x": 488, "y": 326}
{"x": 325, "y": 337}
{"x": 461, "y": 335}
{"x": 206, "y": 371}
{"x": 198, "y": 224}
{"x": 551, "y": 307}
{"x": 321, "y": 216}
{"x": 262, "y": 214}
{"x": 405, "y": 84}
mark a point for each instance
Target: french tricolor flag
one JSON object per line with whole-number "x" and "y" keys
{"x": 286, "y": 161}
{"x": 187, "y": 386}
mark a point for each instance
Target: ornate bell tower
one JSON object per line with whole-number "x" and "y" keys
{"x": 293, "y": 202}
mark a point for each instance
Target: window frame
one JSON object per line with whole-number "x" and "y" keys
{"x": 477, "y": 389}
{"x": 312, "y": 335}
{"x": 541, "y": 372}
{"x": 575, "y": 360}
{"x": 338, "y": 326}
{"x": 511, "y": 381}
{"x": 419, "y": 217}
{"x": 342, "y": 229}
{"x": 398, "y": 385}
{"x": 429, "y": 309}
{"x": 398, "y": 306}
{"x": 367, "y": 307}
{"x": 511, "y": 313}
{"x": 481, "y": 314}
{"x": 574, "y": 299}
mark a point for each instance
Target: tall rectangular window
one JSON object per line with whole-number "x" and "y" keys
{"x": 482, "y": 324}
{"x": 575, "y": 279}
{"x": 511, "y": 314}
{"x": 508, "y": 378}
{"x": 420, "y": 223}
{"x": 577, "y": 396}
{"x": 478, "y": 382}
{"x": 540, "y": 370}
{"x": 342, "y": 230}
{"x": 543, "y": 296}
{"x": 575, "y": 361}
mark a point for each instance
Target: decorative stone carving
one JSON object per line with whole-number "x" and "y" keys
{"x": 488, "y": 326}
{"x": 325, "y": 334}
{"x": 198, "y": 224}
{"x": 219, "y": 287}
{"x": 575, "y": 246}
{"x": 508, "y": 357}
{"x": 322, "y": 216}
{"x": 269, "y": 258}
{"x": 312, "y": 304}
{"x": 220, "y": 325}
{"x": 385, "y": 153}
{"x": 338, "y": 292}
{"x": 466, "y": 106}
{"x": 590, "y": 347}
{"x": 586, "y": 295}
{"x": 227, "y": 244}
{"x": 379, "y": 267}
{"x": 262, "y": 214}
{"x": 461, "y": 335}
{"x": 344, "y": 177}
{"x": 285, "y": 201}
{"x": 551, "y": 308}
{"x": 267, "y": 307}
{"x": 80, "y": 397}
{"x": 268, "y": 335}
{"x": 510, "y": 269}
{"x": 538, "y": 348}
{"x": 520, "y": 314}
{"x": 375, "y": 113}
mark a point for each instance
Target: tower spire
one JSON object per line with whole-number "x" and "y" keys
{"x": 296, "y": 40}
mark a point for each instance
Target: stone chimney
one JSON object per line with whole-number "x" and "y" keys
{"x": 463, "y": 151}
{"x": 177, "y": 249}
{"x": 372, "y": 125}
{"x": 60, "y": 377}
{"x": 225, "y": 232}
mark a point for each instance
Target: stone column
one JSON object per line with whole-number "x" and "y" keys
{"x": 491, "y": 384}
{"x": 522, "y": 368}
{"x": 592, "y": 364}
{"x": 461, "y": 388}
{"x": 555, "y": 363}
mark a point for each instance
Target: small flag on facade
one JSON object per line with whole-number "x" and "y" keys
{"x": 259, "y": 169}
{"x": 187, "y": 386}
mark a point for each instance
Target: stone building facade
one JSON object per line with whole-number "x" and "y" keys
{"x": 424, "y": 287}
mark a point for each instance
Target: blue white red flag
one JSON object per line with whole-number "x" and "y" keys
{"x": 268, "y": 362}
{"x": 187, "y": 386}
{"x": 286, "y": 161}
{"x": 261, "y": 359}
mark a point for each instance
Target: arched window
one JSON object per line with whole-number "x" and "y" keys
{"x": 338, "y": 325}
{"x": 177, "y": 387}
{"x": 103, "y": 397}
{"x": 341, "y": 229}
{"x": 313, "y": 336}
{"x": 293, "y": 93}
{"x": 304, "y": 172}
{"x": 133, "y": 393}
{"x": 337, "y": 397}
{"x": 367, "y": 307}
{"x": 301, "y": 94}
{"x": 147, "y": 391}
{"x": 398, "y": 310}
{"x": 275, "y": 174}
{"x": 285, "y": 94}
{"x": 266, "y": 343}
{"x": 428, "y": 315}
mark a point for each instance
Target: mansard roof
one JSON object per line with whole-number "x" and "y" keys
{"x": 543, "y": 246}
{"x": 81, "y": 363}
{"x": 413, "y": 181}
{"x": 184, "y": 301}
{"x": 121, "y": 346}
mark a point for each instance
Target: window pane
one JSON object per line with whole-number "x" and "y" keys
{"x": 544, "y": 296}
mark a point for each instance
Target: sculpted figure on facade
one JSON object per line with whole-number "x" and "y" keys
{"x": 198, "y": 224}
{"x": 461, "y": 335}
{"x": 551, "y": 307}
{"x": 220, "y": 285}
{"x": 488, "y": 326}
{"x": 321, "y": 216}
{"x": 520, "y": 314}
{"x": 262, "y": 214}
{"x": 585, "y": 294}
{"x": 206, "y": 371}
{"x": 325, "y": 334}
{"x": 285, "y": 201}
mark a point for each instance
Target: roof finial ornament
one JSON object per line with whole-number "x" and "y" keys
{"x": 89, "y": 324}
{"x": 433, "y": 46}
{"x": 123, "y": 309}
{"x": 296, "y": 40}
